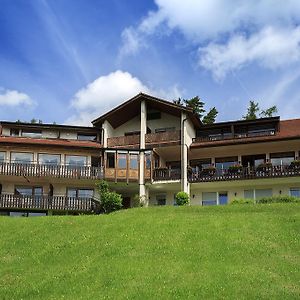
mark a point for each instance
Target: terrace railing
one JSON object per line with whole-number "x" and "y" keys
{"x": 58, "y": 203}
{"x": 244, "y": 173}
{"x": 166, "y": 174}
{"x": 59, "y": 171}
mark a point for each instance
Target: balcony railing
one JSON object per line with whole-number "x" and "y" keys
{"x": 163, "y": 137}
{"x": 222, "y": 137}
{"x": 244, "y": 173}
{"x": 57, "y": 203}
{"x": 119, "y": 141}
{"x": 59, "y": 171}
{"x": 166, "y": 174}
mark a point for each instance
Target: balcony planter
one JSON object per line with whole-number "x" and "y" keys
{"x": 235, "y": 169}
{"x": 209, "y": 171}
{"x": 295, "y": 165}
{"x": 265, "y": 167}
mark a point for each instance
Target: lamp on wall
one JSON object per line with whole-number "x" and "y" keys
{"x": 280, "y": 192}
{"x": 235, "y": 194}
{"x": 193, "y": 196}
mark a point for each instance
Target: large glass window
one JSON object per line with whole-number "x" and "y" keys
{"x": 133, "y": 161}
{"x": 223, "y": 198}
{"x": 226, "y": 162}
{"x": 283, "y": 158}
{"x": 49, "y": 159}
{"x": 76, "y": 160}
{"x": 21, "y": 157}
{"x": 261, "y": 193}
{"x": 122, "y": 161}
{"x": 110, "y": 160}
{"x": 295, "y": 192}
{"x": 28, "y": 191}
{"x": 249, "y": 194}
{"x": 80, "y": 193}
{"x": 2, "y": 156}
{"x": 148, "y": 160}
{"x": 200, "y": 164}
{"x": 209, "y": 198}
{"x": 32, "y": 133}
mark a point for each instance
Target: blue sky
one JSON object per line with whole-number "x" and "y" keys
{"x": 69, "y": 61}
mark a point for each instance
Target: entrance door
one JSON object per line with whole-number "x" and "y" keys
{"x": 126, "y": 202}
{"x": 223, "y": 198}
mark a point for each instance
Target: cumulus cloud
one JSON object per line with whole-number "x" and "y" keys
{"x": 13, "y": 98}
{"x": 108, "y": 91}
{"x": 232, "y": 26}
{"x": 271, "y": 48}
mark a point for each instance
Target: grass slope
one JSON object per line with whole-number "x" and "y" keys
{"x": 233, "y": 252}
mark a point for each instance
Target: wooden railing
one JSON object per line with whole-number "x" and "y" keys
{"x": 163, "y": 137}
{"x": 58, "y": 203}
{"x": 166, "y": 174}
{"x": 244, "y": 173}
{"x": 60, "y": 171}
{"x": 119, "y": 141}
{"x": 214, "y": 138}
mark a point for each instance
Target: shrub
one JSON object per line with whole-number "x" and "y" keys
{"x": 182, "y": 198}
{"x": 242, "y": 201}
{"x": 109, "y": 201}
{"x": 278, "y": 199}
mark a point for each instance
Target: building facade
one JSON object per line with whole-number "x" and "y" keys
{"x": 148, "y": 148}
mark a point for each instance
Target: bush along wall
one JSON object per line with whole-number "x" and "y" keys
{"x": 265, "y": 200}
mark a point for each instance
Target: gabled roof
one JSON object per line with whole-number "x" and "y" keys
{"x": 131, "y": 108}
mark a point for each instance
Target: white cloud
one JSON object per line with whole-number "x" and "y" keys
{"x": 108, "y": 91}
{"x": 232, "y": 26}
{"x": 270, "y": 47}
{"x": 13, "y": 98}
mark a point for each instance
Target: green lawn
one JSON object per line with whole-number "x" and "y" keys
{"x": 231, "y": 252}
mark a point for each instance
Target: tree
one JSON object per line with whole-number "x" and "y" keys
{"x": 33, "y": 121}
{"x": 269, "y": 112}
{"x": 109, "y": 201}
{"x": 178, "y": 101}
{"x": 252, "y": 111}
{"x": 210, "y": 117}
{"x": 182, "y": 198}
{"x": 196, "y": 104}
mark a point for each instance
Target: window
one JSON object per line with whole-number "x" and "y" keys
{"x": 86, "y": 137}
{"x": 49, "y": 159}
{"x": 130, "y": 133}
{"x": 263, "y": 193}
{"x": 133, "y": 161}
{"x": 14, "y": 132}
{"x": 2, "y": 156}
{"x": 295, "y": 192}
{"x": 161, "y": 200}
{"x": 165, "y": 129}
{"x": 122, "y": 161}
{"x": 225, "y": 162}
{"x": 80, "y": 193}
{"x": 200, "y": 164}
{"x": 110, "y": 161}
{"x": 28, "y": 191}
{"x": 283, "y": 158}
{"x": 76, "y": 160}
{"x": 22, "y": 157}
{"x": 32, "y": 133}
{"x": 153, "y": 115}
{"x": 209, "y": 198}
{"x": 249, "y": 194}
{"x": 26, "y": 214}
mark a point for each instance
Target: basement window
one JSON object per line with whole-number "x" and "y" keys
{"x": 295, "y": 192}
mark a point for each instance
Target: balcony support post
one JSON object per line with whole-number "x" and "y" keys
{"x": 142, "y": 187}
{"x": 184, "y": 155}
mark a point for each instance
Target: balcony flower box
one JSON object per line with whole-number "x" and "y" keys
{"x": 209, "y": 171}
{"x": 295, "y": 165}
{"x": 235, "y": 169}
{"x": 265, "y": 167}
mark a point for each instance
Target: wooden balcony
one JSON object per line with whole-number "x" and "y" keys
{"x": 163, "y": 138}
{"x": 58, "y": 171}
{"x": 244, "y": 173}
{"x": 131, "y": 141}
{"x": 44, "y": 203}
{"x": 166, "y": 174}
